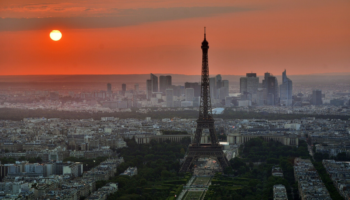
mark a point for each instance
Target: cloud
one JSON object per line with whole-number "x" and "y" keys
{"x": 119, "y": 17}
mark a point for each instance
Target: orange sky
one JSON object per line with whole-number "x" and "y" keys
{"x": 140, "y": 37}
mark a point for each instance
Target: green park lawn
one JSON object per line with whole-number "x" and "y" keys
{"x": 201, "y": 181}
{"x": 193, "y": 195}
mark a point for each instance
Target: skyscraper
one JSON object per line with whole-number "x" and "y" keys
{"x": 243, "y": 85}
{"x": 136, "y": 89}
{"x": 225, "y": 88}
{"x": 286, "y": 90}
{"x": 123, "y": 88}
{"x": 316, "y": 97}
{"x": 218, "y": 81}
{"x": 213, "y": 89}
{"x": 218, "y": 87}
{"x": 169, "y": 97}
{"x": 249, "y": 85}
{"x": 251, "y": 74}
{"x": 165, "y": 82}
{"x": 109, "y": 88}
{"x": 189, "y": 92}
{"x": 272, "y": 90}
{"x": 149, "y": 89}
{"x": 196, "y": 87}
{"x": 264, "y": 82}
{"x": 154, "y": 83}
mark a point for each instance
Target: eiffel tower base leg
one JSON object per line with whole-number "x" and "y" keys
{"x": 204, "y": 150}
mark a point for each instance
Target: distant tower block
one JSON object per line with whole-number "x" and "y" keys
{"x": 205, "y": 121}
{"x": 109, "y": 88}
{"x": 123, "y": 88}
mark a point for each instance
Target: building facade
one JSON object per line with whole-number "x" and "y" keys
{"x": 286, "y": 90}
{"x": 239, "y": 138}
{"x": 165, "y": 82}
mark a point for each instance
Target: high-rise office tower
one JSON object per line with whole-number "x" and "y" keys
{"x": 189, "y": 92}
{"x": 316, "y": 97}
{"x": 154, "y": 81}
{"x": 123, "y": 88}
{"x": 109, "y": 88}
{"x": 261, "y": 97}
{"x": 213, "y": 89}
{"x": 251, "y": 75}
{"x": 169, "y": 97}
{"x": 286, "y": 90}
{"x": 249, "y": 85}
{"x": 221, "y": 87}
{"x": 243, "y": 85}
{"x": 264, "y": 82}
{"x": 165, "y": 82}
{"x": 272, "y": 89}
{"x": 178, "y": 90}
{"x": 196, "y": 87}
{"x": 225, "y": 87}
{"x": 136, "y": 89}
{"x": 149, "y": 89}
{"x": 218, "y": 81}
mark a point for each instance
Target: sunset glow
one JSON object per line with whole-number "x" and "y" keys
{"x": 55, "y": 35}
{"x": 122, "y": 37}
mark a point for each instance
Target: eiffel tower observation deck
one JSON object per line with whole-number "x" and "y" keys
{"x": 205, "y": 121}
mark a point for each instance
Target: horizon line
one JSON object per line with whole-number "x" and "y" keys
{"x": 331, "y": 73}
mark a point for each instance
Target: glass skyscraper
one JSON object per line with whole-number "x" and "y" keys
{"x": 286, "y": 90}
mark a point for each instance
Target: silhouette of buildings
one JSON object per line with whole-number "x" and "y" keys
{"x": 165, "y": 82}
{"x": 213, "y": 91}
{"x": 189, "y": 92}
{"x": 136, "y": 89}
{"x": 169, "y": 97}
{"x": 316, "y": 97}
{"x": 196, "y": 87}
{"x": 249, "y": 85}
{"x": 123, "y": 89}
{"x": 154, "y": 83}
{"x": 149, "y": 89}
{"x": 109, "y": 88}
{"x": 272, "y": 90}
{"x": 286, "y": 90}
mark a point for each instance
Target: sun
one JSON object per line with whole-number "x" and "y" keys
{"x": 55, "y": 35}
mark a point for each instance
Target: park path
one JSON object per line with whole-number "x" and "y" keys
{"x": 183, "y": 192}
{"x": 191, "y": 180}
{"x": 188, "y": 187}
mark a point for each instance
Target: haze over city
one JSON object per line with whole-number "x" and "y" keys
{"x": 174, "y": 100}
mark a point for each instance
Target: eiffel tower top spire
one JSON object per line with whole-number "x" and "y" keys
{"x": 205, "y": 42}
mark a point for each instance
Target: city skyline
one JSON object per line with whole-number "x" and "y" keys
{"x": 164, "y": 136}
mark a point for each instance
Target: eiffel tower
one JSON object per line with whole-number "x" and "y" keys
{"x": 205, "y": 121}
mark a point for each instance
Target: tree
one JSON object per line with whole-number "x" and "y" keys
{"x": 182, "y": 151}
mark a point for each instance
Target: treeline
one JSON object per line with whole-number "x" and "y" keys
{"x": 230, "y": 114}
{"x": 18, "y": 114}
{"x": 157, "y": 165}
{"x": 9, "y": 160}
{"x": 254, "y": 179}
{"x": 327, "y": 180}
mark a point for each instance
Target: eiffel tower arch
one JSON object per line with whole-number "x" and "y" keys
{"x": 205, "y": 121}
